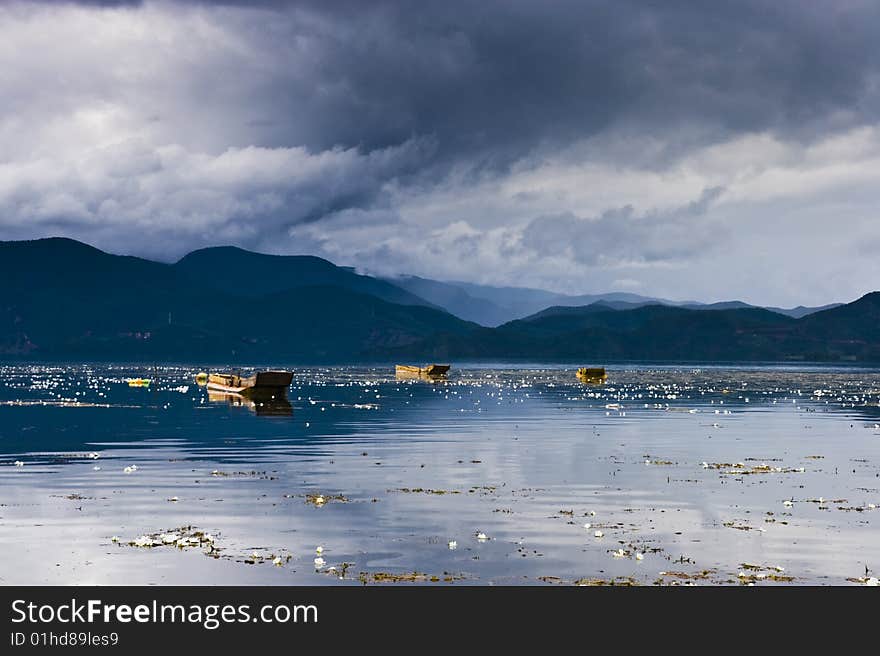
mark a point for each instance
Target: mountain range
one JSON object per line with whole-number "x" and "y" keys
{"x": 493, "y": 306}
{"x": 65, "y": 300}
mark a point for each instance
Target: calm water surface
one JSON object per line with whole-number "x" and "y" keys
{"x": 704, "y": 476}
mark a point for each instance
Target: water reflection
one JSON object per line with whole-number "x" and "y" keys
{"x": 267, "y": 405}
{"x": 706, "y": 470}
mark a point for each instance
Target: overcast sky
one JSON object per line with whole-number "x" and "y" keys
{"x": 690, "y": 150}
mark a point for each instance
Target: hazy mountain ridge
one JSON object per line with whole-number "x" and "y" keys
{"x": 492, "y": 306}
{"x": 64, "y": 299}
{"x": 598, "y": 333}
{"x": 67, "y": 300}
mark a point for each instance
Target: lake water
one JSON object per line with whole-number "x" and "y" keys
{"x": 690, "y": 476}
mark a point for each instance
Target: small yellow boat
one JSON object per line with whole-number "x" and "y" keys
{"x": 138, "y": 382}
{"x": 432, "y": 371}
{"x": 592, "y": 374}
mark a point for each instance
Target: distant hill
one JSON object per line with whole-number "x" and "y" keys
{"x": 67, "y": 300}
{"x": 254, "y": 274}
{"x": 795, "y": 312}
{"x": 801, "y": 311}
{"x": 455, "y": 299}
{"x": 598, "y": 333}
{"x": 493, "y": 306}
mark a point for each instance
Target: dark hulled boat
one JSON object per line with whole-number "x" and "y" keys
{"x": 262, "y": 383}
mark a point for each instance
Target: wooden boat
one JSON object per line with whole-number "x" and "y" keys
{"x": 428, "y": 371}
{"x": 592, "y": 374}
{"x": 262, "y": 383}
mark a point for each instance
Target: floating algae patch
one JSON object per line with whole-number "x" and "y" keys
{"x": 741, "y": 469}
{"x": 751, "y": 573}
{"x": 340, "y": 571}
{"x": 746, "y": 579}
{"x": 185, "y": 537}
{"x": 279, "y": 558}
{"x": 419, "y": 490}
{"x": 407, "y": 577}
{"x": 741, "y": 526}
{"x": 870, "y": 581}
{"x": 319, "y": 500}
{"x": 485, "y": 489}
{"x": 702, "y": 575}
{"x": 216, "y": 473}
{"x": 626, "y": 581}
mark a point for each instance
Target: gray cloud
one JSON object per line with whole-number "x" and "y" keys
{"x": 621, "y": 237}
{"x": 499, "y": 78}
{"x": 369, "y": 136}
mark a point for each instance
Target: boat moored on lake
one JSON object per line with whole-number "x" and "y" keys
{"x": 431, "y": 371}
{"x": 262, "y": 383}
{"x": 592, "y": 374}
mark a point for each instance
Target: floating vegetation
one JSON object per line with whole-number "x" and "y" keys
{"x": 742, "y": 469}
{"x": 72, "y": 497}
{"x": 407, "y": 577}
{"x": 626, "y": 581}
{"x": 216, "y": 473}
{"x": 751, "y": 573}
{"x": 185, "y": 537}
{"x": 319, "y": 500}
{"x": 419, "y": 490}
{"x": 702, "y": 575}
{"x": 870, "y": 581}
{"x": 761, "y": 576}
{"x": 741, "y": 526}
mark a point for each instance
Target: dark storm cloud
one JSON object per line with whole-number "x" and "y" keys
{"x": 241, "y": 121}
{"x": 499, "y": 79}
